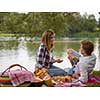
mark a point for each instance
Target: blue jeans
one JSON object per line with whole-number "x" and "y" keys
{"x": 56, "y": 71}
{"x": 69, "y": 71}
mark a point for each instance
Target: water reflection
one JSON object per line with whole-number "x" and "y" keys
{"x": 24, "y": 53}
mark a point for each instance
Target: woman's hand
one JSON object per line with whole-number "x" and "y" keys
{"x": 56, "y": 60}
{"x": 59, "y": 60}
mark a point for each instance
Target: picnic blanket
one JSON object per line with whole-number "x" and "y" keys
{"x": 70, "y": 84}
{"x": 93, "y": 79}
{"x": 18, "y": 77}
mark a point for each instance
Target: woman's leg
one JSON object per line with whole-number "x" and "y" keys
{"x": 56, "y": 71}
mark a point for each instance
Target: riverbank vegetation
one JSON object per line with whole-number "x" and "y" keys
{"x": 33, "y": 24}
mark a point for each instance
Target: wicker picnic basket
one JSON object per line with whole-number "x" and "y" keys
{"x": 5, "y": 80}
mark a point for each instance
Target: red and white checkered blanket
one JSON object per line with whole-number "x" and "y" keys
{"x": 93, "y": 79}
{"x": 72, "y": 84}
{"x": 20, "y": 76}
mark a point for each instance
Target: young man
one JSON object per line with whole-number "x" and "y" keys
{"x": 83, "y": 64}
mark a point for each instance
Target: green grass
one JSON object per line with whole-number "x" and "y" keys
{"x": 96, "y": 73}
{"x": 94, "y": 85}
{"x": 6, "y": 35}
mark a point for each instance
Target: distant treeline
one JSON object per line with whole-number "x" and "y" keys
{"x": 35, "y": 23}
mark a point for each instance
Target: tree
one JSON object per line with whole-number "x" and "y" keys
{"x": 89, "y": 22}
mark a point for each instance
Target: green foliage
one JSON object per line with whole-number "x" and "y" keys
{"x": 87, "y": 34}
{"x": 35, "y": 23}
{"x": 96, "y": 72}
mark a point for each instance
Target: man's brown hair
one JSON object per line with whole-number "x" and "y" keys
{"x": 87, "y": 46}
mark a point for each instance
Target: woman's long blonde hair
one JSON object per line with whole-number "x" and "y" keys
{"x": 46, "y": 38}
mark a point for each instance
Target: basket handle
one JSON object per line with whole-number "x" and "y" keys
{"x": 8, "y": 69}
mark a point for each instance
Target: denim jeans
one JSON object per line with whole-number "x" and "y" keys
{"x": 69, "y": 71}
{"x": 56, "y": 71}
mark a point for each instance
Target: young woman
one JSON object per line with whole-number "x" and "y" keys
{"x": 44, "y": 55}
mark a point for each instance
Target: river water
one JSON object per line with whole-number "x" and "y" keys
{"x": 23, "y": 52}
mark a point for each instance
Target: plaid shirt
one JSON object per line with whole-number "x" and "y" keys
{"x": 43, "y": 57}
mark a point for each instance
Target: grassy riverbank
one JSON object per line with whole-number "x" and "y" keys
{"x": 6, "y": 35}
{"x": 82, "y": 34}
